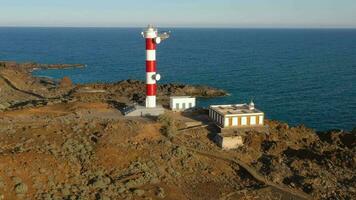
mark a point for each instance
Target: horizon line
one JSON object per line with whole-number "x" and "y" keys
{"x": 192, "y": 27}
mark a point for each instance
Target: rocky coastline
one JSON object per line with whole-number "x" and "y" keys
{"x": 19, "y": 89}
{"x": 60, "y": 140}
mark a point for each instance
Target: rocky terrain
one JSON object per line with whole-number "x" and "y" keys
{"x": 19, "y": 89}
{"x": 59, "y": 140}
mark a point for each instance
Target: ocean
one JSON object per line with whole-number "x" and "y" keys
{"x": 299, "y": 76}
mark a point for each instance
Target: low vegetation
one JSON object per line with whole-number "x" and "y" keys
{"x": 169, "y": 125}
{"x": 75, "y": 144}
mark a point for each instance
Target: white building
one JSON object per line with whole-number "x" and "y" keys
{"x": 236, "y": 116}
{"x": 181, "y": 103}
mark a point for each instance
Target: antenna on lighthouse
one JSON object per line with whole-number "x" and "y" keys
{"x": 164, "y": 35}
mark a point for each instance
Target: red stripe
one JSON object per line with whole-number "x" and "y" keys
{"x": 150, "y": 44}
{"x": 151, "y": 89}
{"x": 151, "y": 66}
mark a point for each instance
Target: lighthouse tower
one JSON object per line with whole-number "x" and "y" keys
{"x": 152, "y": 38}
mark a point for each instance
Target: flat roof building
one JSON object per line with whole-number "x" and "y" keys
{"x": 236, "y": 115}
{"x": 182, "y": 103}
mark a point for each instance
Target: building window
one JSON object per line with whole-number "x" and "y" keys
{"x": 261, "y": 119}
{"x": 183, "y": 106}
{"x": 243, "y": 121}
{"x": 190, "y": 105}
{"x": 234, "y": 121}
{"x": 177, "y": 106}
{"x": 228, "y": 121}
{"x": 253, "y": 120}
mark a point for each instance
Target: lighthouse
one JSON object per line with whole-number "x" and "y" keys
{"x": 153, "y": 38}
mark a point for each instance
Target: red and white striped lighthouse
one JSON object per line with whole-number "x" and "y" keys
{"x": 152, "y": 39}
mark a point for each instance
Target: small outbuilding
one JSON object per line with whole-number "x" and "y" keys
{"x": 182, "y": 103}
{"x": 236, "y": 116}
{"x": 228, "y": 141}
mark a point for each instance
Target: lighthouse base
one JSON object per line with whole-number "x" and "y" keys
{"x": 151, "y": 102}
{"x": 142, "y": 111}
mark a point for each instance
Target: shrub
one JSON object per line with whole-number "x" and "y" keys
{"x": 169, "y": 125}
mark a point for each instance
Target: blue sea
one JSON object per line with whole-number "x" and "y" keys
{"x": 299, "y": 76}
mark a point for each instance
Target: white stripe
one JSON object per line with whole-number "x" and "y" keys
{"x": 149, "y": 78}
{"x": 150, "y": 101}
{"x": 150, "y": 55}
{"x": 150, "y": 34}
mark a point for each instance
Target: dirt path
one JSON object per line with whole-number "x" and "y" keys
{"x": 20, "y": 90}
{"x": 193, "y": 127}
{"x": 254, "y": 174}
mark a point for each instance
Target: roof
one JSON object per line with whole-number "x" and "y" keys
{"x": 182, "y": 97}
{"x": 235, "y": 109}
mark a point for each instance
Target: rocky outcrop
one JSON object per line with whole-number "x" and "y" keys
{"x": 320, "y": 163}
{"x": 30, "y": 66}
{"x": 134, "y": 90}
{"x": 65, "y": 82}
{"x": 20, "y": 89}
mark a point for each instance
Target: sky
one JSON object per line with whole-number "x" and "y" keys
{"x": 179, "y": 13}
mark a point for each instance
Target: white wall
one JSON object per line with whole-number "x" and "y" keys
{"x": 231, "y": 142}
{"x": 225, "y": 121}
{"x": 180, "y": 102}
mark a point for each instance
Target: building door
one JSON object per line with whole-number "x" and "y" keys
{"x": 183, "y": 106}
{"x": 177, "y": 106}
{"x": 190, "y": 105}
